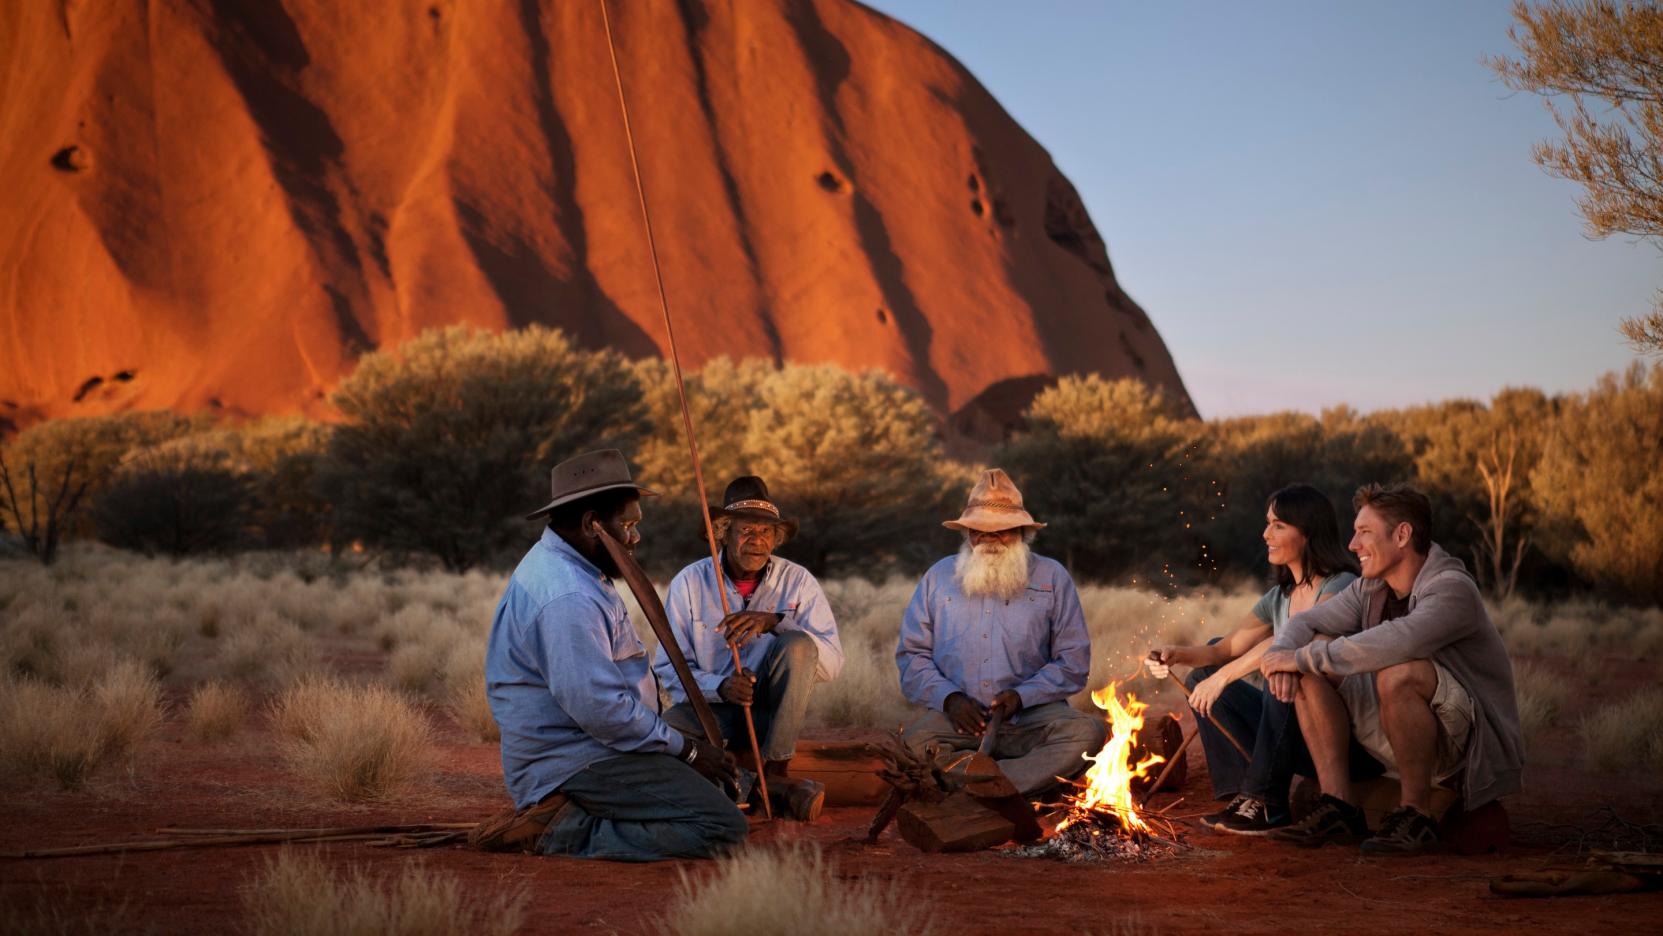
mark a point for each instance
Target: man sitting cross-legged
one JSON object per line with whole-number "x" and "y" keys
{"x": 593, "y": 770}
{"x": 997, "y": 628}
{"x": 785, "y": 631}
{"x": 1405, "y": 659}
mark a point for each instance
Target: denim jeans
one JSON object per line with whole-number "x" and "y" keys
{"x": 643, "y": 807}
{"x": 1270, "y": 730}
{"x": 1042, "y": 743}
{"x": 1278, "y": 746}
{"x": 784, "y": 683}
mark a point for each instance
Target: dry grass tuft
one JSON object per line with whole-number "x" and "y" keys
{"x": 67, "y": 732}
{"x": 297, "y": 895}
{"x": 471, "y": 707}
{"x": 352, "y": 743}
{"x": 1541, "y": 696}
{"x": 791, "y": 889}
{"x": 1627, "y": 735}
{"x": 217, "y": 710}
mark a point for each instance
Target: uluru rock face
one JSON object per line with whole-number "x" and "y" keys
{"x": 218, "y": 204}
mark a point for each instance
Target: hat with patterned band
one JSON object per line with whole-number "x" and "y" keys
{"x": 747, "y": 499}
{"x": 995, "y": 504}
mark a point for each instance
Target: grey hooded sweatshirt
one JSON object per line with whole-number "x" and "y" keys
{"x": 1446, "y": 623}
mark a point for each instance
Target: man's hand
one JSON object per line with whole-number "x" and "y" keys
{"x": 739, "y": 688}
{"x": 1284, "y": 686}
{"x": 1205, "y": 693}
{"x": 1277, "y": 661}
{"x": 713, "y": 763}
{"x": 966, "y": 714}
{"x": 741, "y": 626}
{"x": 1008, "y": 703}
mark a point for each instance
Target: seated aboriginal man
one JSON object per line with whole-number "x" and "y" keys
{"x": 998, "y": 628}
{"x": 1406, "y": 660}
{"x": 786, "y": 635}
{"x": 593, "y": 770}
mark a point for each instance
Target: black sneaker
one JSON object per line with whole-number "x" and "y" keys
{"x": 1405, "y": 831}
{"x": 1246, "y": 815}
{"x": 1333, "y": 820}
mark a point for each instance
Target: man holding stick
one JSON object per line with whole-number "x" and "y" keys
{"x": 593, "y": 770}
{"x": 783, "y": 626}
{"x": 1407, "y": 661}
{"x": 997, "y": 631}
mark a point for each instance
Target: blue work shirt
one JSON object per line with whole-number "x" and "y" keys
{"x": 694, "y": 608}
{"x": 1035, "y": 643}
{"x": 567, "y": 675}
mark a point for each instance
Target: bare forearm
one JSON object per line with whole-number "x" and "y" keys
{"x": 1246, "y": 663}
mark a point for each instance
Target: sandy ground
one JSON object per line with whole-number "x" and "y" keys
{"x": 1222, "y": 884}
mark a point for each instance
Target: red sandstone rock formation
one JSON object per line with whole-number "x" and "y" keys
{"x": 220, "y": 204}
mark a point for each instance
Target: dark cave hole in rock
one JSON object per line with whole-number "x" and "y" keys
{"x": 87, "y": 386}
{"x": 883, "y": 317}
{"x": 976, "y": 207}
{"x": 829, "y": 181}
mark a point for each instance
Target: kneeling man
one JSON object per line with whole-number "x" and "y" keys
{"x": 1406, "y": 661}
{"x": 999, "y": 629}
{"x": 593, "y": 770}
{"x": 785, "y": 631}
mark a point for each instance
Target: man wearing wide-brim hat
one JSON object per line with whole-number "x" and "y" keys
{"x": 593, "y": 769}
{"x": 998, "y": 628}
{"x": 784, "y": 627}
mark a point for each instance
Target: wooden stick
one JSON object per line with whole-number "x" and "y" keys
{"x": 343, "y": 830}
{"x": 110, "y": 848}
{"x": 1221, "y": 729}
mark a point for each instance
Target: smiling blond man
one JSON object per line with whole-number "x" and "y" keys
{"x": 1407, "y": 662}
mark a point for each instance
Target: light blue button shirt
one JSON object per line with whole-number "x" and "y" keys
{"x": 694, "y": 608}
{"x": 567, "y": 675}
{"x": 1035, "y": 643}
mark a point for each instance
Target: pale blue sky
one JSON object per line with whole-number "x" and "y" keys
{"x": 1316, "y": 202}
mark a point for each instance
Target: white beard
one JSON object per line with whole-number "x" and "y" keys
{"x": 983, "y": 572}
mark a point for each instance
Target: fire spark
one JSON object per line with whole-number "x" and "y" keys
{"x": 1102, "y": 820}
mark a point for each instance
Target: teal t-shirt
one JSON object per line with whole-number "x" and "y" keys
{"x": 1272, "y": 609}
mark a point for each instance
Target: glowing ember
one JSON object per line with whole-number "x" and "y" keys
{"x": 1108, "y": 783}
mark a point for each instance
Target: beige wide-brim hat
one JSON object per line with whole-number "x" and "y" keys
{"x": 995, "y": 504}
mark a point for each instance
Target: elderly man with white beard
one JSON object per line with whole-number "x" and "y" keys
{"x": 998, "y": 628}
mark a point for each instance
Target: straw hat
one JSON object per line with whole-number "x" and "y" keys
{"x": 995, "y": 504}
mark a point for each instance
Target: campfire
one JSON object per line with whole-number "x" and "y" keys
{"x": 1102, "y": 819}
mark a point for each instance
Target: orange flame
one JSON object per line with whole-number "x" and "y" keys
{"x": 1109, "y": 779}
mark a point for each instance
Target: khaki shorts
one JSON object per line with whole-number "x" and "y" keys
{"x": 1450, "y": 704}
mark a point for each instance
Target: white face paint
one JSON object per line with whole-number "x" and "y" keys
{"x": 992, "y": 569}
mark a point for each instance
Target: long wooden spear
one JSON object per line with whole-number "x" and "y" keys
{"x": 681, "y": 392}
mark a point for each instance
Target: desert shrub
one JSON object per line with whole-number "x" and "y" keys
{"x": 867, "y": 692}
{"x": 351, "y": 742}
{"x": 792, "y": 889}
{"x": 215, "y": 712}
{"x": 1113, "y": 470}
{"x": 447, "y": 440}
{"x": 1599, "y": 487}
{"x": 176, "y": 500}
{"x": 468, "y": 703}
{"x": 1627, "y": 735}
{"x": 51, "y": 472}
{"x": 856, "y": 457}
{"x": 69, "y": 731}
{"x": 296, "y": 894}
{"x": 1541, "y": 697}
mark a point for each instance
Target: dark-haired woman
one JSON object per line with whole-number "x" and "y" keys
{"x": 1302, "y": 539}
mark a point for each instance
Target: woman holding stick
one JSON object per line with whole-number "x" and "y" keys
{"x": 1303, "y": 542}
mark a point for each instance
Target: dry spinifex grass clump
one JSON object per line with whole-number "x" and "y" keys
{"x": 793, "y": 889}
{"x": 352, "y": 742}
{"x": 68, "y": 731}
{"x": 216, "y": 712}
{"x": 297, "y": 895}
{"x": 1627, "y": 734}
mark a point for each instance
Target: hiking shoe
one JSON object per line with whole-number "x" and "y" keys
{"x": 1405, "y": 831}
{"x": 798, "y": 799}
{"x": 1246, "y": 815}
{"x": 512, "y": 830}
{"x": 1333, "y": 820}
